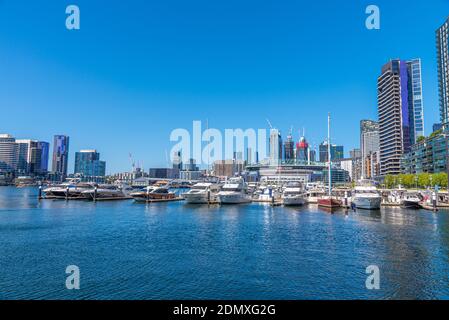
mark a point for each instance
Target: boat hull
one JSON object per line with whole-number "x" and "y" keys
{"x": 236, "y": 198}
{"x": 293, "y": 201}
{"x": 329, "y": 203}
{"x": 368, "y": 203}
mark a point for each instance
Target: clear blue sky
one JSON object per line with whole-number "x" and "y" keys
{"x": 139, "y": 69}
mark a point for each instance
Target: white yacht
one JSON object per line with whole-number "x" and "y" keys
{"x": 202, "y": 193}
{"x": 314, "y": 194}
{"x": 366, "y": 196}
{"x": 266, "y": 193}
{"x": 411, "y": 200}
{"x": 293, "y": 195}
{"x": 70, "y": 189}
{"x": 108, "y": 192}
{"x": 234, "y": 192}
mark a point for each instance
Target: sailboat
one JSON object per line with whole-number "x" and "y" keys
{"x": 328, "y": 201}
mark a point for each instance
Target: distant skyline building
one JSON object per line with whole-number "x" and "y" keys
{"x": 442, "y": 42}
{"x": 8, "y": 153}
{"x": 400, "y": 111}
{"x": 302, "y": 150}
{"x": 60, "y": 155}
{"x": 289, "y": 151}
{"x": 275, "y": 146}
{"x": 337, "y": 152}
{"x": 369, "y": 141}
{"x": 88, "y": 164}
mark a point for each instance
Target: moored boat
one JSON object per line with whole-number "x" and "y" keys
{"x": 234, "y": 192}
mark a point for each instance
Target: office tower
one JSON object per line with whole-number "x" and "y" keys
{"x": 238, "y": 155}
{"x": 312, "y": 155}
{"x": 191, "y": 165}
{"x": 355, "y": 153}
{"x": 177, "y": 160}
{"x": 41, "y": 162}
{"x": 442, "y": 40}
{"x": 337, "y": 152}
{"x": 416, "y": 107}
{"x": 437, "y": 126}
{"x": 302, "y": 150}
{"x": 289, "y": 151}
{"x": 399, "y": 122}
{"x": 8, "y": 153}
{"x": 275, "y": 146}
{"x": 60, "y": 155}
{"x": 249, "y": 156}
{"x": 24, "y": 147}
{"x": 88, "y": 164}
{"x": 369, "y": 141}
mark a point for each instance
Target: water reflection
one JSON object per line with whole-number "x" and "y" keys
{"x": 255, "y": 251}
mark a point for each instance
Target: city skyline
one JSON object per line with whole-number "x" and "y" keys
{"x": 119, "y": 103}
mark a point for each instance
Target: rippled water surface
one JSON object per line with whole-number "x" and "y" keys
{"x": 177, "y": 251}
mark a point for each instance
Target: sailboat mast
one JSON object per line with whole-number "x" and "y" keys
{"x": 329, "y": 151}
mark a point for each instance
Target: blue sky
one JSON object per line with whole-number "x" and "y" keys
{"x": 139, "y": 69}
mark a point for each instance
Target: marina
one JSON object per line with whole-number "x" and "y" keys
{"x": 176, "y": 250}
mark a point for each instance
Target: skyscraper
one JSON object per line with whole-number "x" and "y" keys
{"x": 60, "y": 155}
{"x": 24, "y": 147}
{"x": 399, "y": 122}
{"x": 8, "y": 153}
{"x": 289, "y": 152}
{"x": 369, "y": 140}
{"x": 275, "y": 146}
{"x": 87, "y": 163}
{"x": 42, "y": 157}
{"x": 416, "y": 106}
{"x": 302, "y": 150}
{"x": 337, "y": 152}
{"x": 442, "y": 37}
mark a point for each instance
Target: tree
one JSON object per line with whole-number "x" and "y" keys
{"x": 423, "y": 180}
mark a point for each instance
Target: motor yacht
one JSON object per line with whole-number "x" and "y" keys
{"x": 234, "y": 192}
{"x": 366, "y": 196}
{"x": 411, "y": 201}
{"x": 108, "y": 192}
{"x": 202, "y": 193}
{"x": 153, "y": 193}
{"x": 293, "y": 195}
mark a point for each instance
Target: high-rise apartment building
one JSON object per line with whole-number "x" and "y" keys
{"x": 275, "y": 146}
{"x": 8, "y": 153}
{"x": 369, "y": 141}
{"x": 60, "y": 155}
{"x": 442, "y": 41}
{"x": 400, "y": 111}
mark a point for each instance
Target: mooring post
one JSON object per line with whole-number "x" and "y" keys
{"x": 67, "y": 193}
{"x": 95, "y": 194}
{"x": 40, "y": 192}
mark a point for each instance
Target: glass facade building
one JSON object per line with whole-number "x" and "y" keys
{"x": 400, "y": 109}
{"x": 88, "y": 164}
{"x": 427, "y": 156}
{"x": 442, "y": 42}
{"x": 60, "y": 155}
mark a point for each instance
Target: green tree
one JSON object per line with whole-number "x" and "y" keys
{"x": 423, "y": 180}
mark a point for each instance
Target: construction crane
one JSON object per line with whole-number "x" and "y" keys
{"x": 269, "y": 123}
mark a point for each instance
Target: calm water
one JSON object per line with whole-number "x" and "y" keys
{"x": 175, "y": 251}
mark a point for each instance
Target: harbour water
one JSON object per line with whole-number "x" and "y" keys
{"x": 173, "y": 250}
